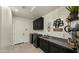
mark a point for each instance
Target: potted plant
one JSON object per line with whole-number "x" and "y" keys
{"x": 73, "y": 12}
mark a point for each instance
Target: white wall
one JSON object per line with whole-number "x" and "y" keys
{"x": 6, "y": 27}
{"x": 0, "y": 24}
{"x": 19, "y": 32}
{"x": 50, "y": 17}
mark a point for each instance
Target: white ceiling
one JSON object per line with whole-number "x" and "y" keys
{"x": 32, "y": 12}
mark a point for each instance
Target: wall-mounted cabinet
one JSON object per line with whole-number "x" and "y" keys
{"x": 38, "y": 24}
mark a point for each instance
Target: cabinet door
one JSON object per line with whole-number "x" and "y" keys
{"x": 44, "y": 45}
{"x": 54, "y": 48}
{"x": 40, "y": 24}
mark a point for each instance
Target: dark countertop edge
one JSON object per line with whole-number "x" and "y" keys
{"x": 65, "y": 40}
{"x": 56, "y": 38}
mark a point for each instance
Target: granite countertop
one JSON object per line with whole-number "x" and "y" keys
{"x": 59, "y": 41}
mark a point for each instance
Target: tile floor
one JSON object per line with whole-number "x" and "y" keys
{"x": 21, "y": 48}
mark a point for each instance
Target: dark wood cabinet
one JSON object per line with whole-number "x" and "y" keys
{"x": 50, "y": 47}
{"x": 53, "y": 48}
{"x": 44, "y": 45}
{"x": 38, "y": 24}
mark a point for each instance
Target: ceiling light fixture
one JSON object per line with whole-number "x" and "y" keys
{"x": 16, "y": 10}
{"x": 23, "y": 7}
{"x": 33, "y": 8}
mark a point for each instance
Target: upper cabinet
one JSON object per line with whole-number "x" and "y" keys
{"x": 38, "y": 24}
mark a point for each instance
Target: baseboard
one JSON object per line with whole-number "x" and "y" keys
{"x": 19, "y": 43}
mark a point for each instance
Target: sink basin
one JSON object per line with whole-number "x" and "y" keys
{"x": 47, "y": 37}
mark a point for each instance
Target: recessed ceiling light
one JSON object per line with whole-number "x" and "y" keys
{"x": 33, "y": 8}
{"x": 16, "y": 10}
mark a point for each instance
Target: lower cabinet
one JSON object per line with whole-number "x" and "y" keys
{"x": 44, "y": 45}
{"x": 50, "y": 47}
{"x": 55, "y": 48}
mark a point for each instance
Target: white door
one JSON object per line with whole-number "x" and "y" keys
{"x": 21, "y": 33}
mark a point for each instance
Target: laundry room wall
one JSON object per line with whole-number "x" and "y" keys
{"x": 61, "y": 13}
